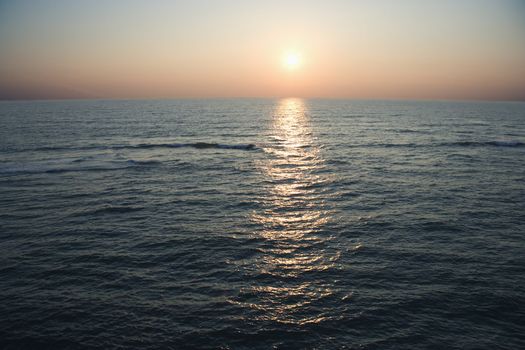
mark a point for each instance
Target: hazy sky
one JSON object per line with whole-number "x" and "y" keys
{"x": 470, "y": 49}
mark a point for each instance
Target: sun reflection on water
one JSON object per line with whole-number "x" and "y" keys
{"x": 295, "y": 257}
{"x": 293, "y": 204}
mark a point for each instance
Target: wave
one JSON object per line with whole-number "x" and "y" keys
{"x": 109, "y": 209}
{"x": 496, "y": 143}
{"x": 144, "y": 162}
{"x": 72, "y": 165}
{"x": 412, "y": 131}
{"x": 197, "y": 145}
{"x": 106, "y": 209}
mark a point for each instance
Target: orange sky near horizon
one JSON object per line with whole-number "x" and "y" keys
{"x": 471, "y": 49}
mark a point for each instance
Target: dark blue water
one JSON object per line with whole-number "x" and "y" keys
{"x": 257, "y": 224}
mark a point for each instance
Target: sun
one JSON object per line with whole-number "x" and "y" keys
{"x": 292, "y": 60}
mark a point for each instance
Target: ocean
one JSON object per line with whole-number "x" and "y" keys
{"x": 262, "y": 223}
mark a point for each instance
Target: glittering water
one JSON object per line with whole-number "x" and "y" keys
{"x": 262, "y": 223}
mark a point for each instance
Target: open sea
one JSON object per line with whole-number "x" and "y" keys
{"x": 262, "y": 224}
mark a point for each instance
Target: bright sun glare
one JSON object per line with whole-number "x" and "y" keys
{"x": 292, "y": 60}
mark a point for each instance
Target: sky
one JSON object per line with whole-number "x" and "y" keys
{"x": 405, "y": 49}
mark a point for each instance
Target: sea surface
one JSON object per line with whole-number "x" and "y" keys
{"x": 260, "y": 224}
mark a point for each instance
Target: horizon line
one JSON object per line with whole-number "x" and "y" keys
{"x": 164, "y": 98}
